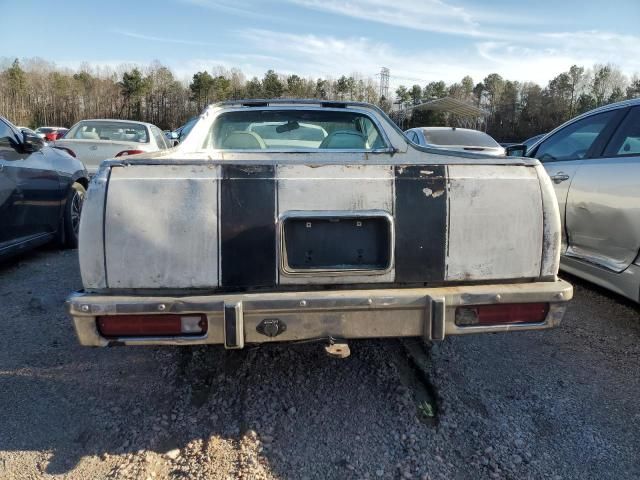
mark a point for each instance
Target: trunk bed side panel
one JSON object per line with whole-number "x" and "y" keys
{"x": 161, "y": 227}
{"x": 495, "y": 223}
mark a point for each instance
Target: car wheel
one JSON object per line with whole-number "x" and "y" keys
{"x": 72, "y": 211}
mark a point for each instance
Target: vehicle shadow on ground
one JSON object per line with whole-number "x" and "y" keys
{"x": 612, "y": 296}
{"x": 80, "y": 402}
{"x": 76, "y": 404}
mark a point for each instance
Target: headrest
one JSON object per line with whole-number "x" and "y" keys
{"x": 243, "y": 140}
{"x": 344, "y": 139}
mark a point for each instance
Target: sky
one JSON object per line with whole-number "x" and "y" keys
{"x": 418, "y": 40}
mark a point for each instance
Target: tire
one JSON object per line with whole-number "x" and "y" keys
{"x": 71, "y": 218}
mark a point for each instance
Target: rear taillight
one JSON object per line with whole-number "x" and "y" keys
{"x": 68, "y": 150}
{"x": 501, "y": 314}
{"x": 126, "y": 153}
{"x": 151, "y": 325}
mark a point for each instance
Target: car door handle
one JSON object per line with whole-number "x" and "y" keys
{"x": 559, "y": 177}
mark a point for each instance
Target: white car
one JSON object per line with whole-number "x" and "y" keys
{"x": 93, "y": 141}
{"x": 453, "y": 138}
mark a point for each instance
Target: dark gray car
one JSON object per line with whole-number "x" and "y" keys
{"x": 594, "y": 163}
{"x": 41, "y": 192}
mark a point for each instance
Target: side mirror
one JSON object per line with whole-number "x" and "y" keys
{"x": 31, "y": 143}
{"x": 516, "y": 150}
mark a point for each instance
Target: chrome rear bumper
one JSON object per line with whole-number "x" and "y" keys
{"x": 236, "y": 319}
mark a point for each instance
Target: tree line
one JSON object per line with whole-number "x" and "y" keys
{"x": 34, "y": 92}
{"x": 518, "y": 110}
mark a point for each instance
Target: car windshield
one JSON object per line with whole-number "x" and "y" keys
{"x": 284, "y": 129}
{"x": 99, "y": 130}
{"x": 454, "y": 136}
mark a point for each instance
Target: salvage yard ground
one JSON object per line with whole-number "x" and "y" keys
{"x": 554, "y": 404}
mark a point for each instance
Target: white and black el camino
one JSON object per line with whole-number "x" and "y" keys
{"x": 281, "y": 220}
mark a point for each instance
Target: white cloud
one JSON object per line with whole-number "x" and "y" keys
{"x": 242, "y": 8}
{"x": 538, "y": 60}
{"x": 426, "y": 15}
{"x": 151, "y": 38}
{"x": 431, "y": 15}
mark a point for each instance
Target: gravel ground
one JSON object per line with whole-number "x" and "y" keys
{"x": 557, "y": 404}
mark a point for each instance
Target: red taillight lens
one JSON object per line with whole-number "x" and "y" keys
{"x": 501, "y": 314}
{"x": 151, "y": 325}
{"x": 125, "y": 153}
{"x": 68, "y": 150}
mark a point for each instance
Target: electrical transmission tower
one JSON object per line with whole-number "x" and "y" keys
{"x": 384, "y": 83}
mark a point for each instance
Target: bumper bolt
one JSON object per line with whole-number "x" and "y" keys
{"x": 162, "y": 307}
{"x": 370, "y": 301}
{"x": 84, "y": 308}
{"x": 559, "y": 296}
{"x": 303, "y": 303}
{"x": 498, "y": 298}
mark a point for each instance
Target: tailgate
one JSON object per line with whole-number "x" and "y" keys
{"x": 245, "y": 226}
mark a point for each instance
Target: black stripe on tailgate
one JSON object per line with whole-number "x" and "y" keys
{"x": 247, "y": 226}
{"x": 421, "y": 223}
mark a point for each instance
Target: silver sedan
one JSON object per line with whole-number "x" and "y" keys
{"x": 453, "y": 138}
{"x": 594, "y": 163}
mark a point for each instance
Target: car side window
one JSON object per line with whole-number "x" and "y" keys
{"x": 574, "y": 141}
{"x": 159, "y": 136}
{"x": 411, "y": 135}
{"x": 626, "y": 139}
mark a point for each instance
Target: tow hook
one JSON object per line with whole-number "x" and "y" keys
{"x": 337, "y": 348}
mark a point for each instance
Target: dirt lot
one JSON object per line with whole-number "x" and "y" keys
{"x": 557, "y": 404}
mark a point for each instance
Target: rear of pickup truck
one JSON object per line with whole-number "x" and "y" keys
{"x": 240, "y": 246}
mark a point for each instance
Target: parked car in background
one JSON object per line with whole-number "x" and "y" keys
{"x": 29, "y": 131}
{"x": 51, "y": 133}
{"x": 529, "y": 142}
{"x": 290, "y": 220}
{"x": 171, "y": 137}
{"x": 96, "y": 140}
{"x": 41, "y": 192}
{"x": 594, "y": 163}
{"x": 183, "y": 131}
{"x": 453, "y": 138}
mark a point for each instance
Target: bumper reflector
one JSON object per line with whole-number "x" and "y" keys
{"x": 151, "y": 325}
{"x": 501, "y": 314}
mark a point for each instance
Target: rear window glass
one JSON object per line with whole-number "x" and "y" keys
{"x": 293, "y": 129}
{"x": 116, "y": 131}
{"x": 468, "y": 138}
